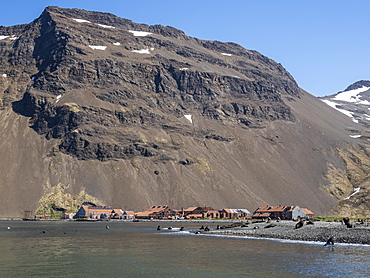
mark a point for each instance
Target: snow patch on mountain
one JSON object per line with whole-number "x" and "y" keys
{"x": 334, "y": 105}
{"x": 12, "y": 37}
{"x": 81, "y": 20}
{"x": 98, "y": 47}
{"x": 106, "y": 26}
{"x": 352, "y": 102}
{"x": 352, "y": 96}
{"x": 141, "y": 51}
{"x": 188, "y": 117}
{"x": 140, "y": 33}
{"x": 357, "y": 189}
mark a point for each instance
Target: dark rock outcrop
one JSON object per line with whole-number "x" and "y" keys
{"x": 246, "y": 90}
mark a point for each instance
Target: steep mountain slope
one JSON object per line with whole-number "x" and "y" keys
{"x": 355, "y": 103}
{"x": 137, "y": 115}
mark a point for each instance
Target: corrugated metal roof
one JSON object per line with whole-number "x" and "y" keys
{"x": 307, "y": 211}
{"x": 239, "y": 211}
{"x": 190, "y": 209}
{"x": 195, "y": 215}
{"x": 144, "y": 213}
{"x": 266, "y": 214}
{"x": 271, "y": 209}
{"x": 292, "y": 208}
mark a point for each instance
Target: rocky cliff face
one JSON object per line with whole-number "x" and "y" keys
{"x": 137, "y": 115}
{"x": 151, "y": 75}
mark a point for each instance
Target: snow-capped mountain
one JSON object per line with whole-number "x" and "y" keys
{"x": 353, "y": 102}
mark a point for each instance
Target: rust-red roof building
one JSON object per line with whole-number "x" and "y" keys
{"x": 282, "y": 212}
{"x": 156, "y": 212}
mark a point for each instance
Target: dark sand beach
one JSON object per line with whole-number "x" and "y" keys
{"x": 319, "y": 231}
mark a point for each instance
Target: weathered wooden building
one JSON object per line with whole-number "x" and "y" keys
{"x": 94, "y": 212}
{"x": 282, "y": 212}
{"x": 234, "y": 213}
{"x": 157, "y": 212}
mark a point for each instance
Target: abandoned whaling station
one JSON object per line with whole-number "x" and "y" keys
{"x": 90, "y": 211}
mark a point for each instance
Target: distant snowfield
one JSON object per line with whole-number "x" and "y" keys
{"x": 352, "y": 96}
{"x": 81, "y": 20}
{"x": 4, "y": 75}
{"x": 141, "y": 51}
{"x": 116, "y": 43}
{"x": 355, "y": 136}
{"x": 98, "y": 47}
{"x": 4, "y": 37}
{"x": 227, "y": 54}
{"x": 140, "y": 33}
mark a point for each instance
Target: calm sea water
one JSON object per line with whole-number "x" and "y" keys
{"x": 127, "y": 249}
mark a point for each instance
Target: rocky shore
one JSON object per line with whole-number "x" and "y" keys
{"x": 318, "y": 231}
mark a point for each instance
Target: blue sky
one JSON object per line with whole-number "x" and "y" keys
{"x": 324, "y": 44}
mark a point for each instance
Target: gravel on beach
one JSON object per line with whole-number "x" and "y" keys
{"x": 319, "y": 231}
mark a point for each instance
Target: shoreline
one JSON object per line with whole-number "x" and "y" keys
{"x": 317, "y": 232}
